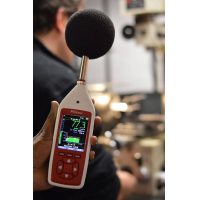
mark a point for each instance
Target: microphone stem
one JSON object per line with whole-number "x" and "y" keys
{"x": 83, "y": 69}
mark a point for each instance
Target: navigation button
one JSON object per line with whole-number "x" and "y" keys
{"x": 75, "y": 169}
{"x": 59, "y": 167}
{"x": 67, "y": 168}
{"x": 69, "y": 160}
{"x": 66, "y": 176}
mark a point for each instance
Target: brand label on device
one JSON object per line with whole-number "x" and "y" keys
{"x": 74, "y": 111}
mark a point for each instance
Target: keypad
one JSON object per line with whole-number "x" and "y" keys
{"x": 68, "y": 168}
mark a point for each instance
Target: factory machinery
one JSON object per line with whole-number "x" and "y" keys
{"x": 134, "y": 124}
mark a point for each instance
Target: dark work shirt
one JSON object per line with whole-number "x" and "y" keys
{"x": 53, "y": 79}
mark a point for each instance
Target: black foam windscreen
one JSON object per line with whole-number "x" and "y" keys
{"x": 89, "y": 32}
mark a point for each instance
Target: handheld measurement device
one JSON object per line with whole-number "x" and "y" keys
{"x": 89, "y": 34}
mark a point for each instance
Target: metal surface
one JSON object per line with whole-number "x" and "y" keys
{"x": 83, "y": 68}
{"x": 81, "y": 82}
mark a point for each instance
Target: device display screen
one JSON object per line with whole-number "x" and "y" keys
{"x": 73, "y": 133}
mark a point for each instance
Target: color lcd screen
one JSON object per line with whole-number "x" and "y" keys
{"x": 73, "y": 132}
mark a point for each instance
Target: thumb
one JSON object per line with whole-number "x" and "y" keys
{"x": 48, "y": 127}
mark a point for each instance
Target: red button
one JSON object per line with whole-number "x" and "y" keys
{"x": 59, "y": 167}
{"x": 75, "y": 169}
{"x": 66, "y": 176}
{"x": 61, "y": 154}
{"x": 69, "y": 160}
{"x": 67, "y": 168}
{"x": 77, "y": 156}
{"x": 69, "y": 155}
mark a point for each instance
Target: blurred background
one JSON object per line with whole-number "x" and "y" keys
{"x": 128, "y": 87}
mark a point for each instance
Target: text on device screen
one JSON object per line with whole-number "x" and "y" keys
{"x": 73, "y": 132}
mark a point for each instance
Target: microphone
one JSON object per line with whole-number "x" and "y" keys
{"x": 90, "y": 33}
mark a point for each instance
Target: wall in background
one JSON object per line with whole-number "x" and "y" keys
{"x": 128, "y": 66}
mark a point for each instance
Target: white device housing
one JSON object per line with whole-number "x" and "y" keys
{"x": 78, "y": 93}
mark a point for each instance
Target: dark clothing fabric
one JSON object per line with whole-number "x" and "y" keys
{"x": 53, "y": 79}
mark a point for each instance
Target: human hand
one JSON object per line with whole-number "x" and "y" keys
{"x": 42, "y": 143}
